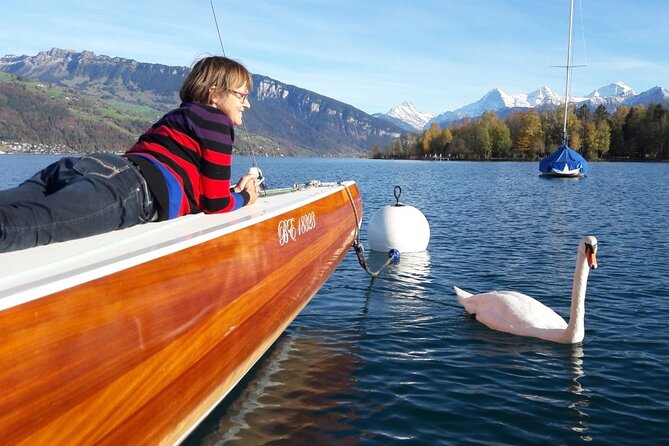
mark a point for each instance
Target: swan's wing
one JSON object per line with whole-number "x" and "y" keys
{"x": 513, "y": 312}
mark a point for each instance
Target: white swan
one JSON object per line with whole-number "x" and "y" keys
{"x": 522, "y": 315}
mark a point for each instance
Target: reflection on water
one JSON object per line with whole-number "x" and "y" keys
{"x": 400, "y": 288}
{"x": 412, "y": 273}
{"x": 546, "y": 378}
{"x": 581, "y": 399}
{"x": 250, "y": 401}
{"x": 414, "y": 268}
{"x": 282, "y": 400}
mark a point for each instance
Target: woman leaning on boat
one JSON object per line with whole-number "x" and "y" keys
{"x": 181, "y": 165}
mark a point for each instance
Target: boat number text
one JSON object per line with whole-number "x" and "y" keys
{"x": 291, "y": 228}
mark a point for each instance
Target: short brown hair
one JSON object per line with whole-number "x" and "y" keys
{"x": 218, "y": 72}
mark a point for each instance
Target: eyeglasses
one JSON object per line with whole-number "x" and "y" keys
{"x": 243, "y": 97}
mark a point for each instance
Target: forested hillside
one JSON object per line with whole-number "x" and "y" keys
{"x": 41, "y": 114}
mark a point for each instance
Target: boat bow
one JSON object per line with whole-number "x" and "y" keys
{"x": 134, "y": 336}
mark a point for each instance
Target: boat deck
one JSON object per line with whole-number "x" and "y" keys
{"x": 29, "y": 274}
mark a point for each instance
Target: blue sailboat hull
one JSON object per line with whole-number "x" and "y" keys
{"x": 564, "y": 162}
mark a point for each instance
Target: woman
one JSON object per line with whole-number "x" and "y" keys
{"x": 180, "y": 166}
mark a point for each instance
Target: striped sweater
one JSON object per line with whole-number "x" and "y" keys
{"x": 186, "y": 158}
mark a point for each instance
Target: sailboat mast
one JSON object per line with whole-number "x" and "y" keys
{"x": 568, "y": 81}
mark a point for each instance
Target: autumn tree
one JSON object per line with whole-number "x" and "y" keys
{"x": 459, "y": 147}
{"x": 428, "y": 137}
{"x": 514, "y": 123}
{"x": 530, "y": 139}
{"x": 602, "y": 141}
{"x": 435, "y": 141}
{"x": 552, "y": 128}
{"x": 495, "y": 137}
{"x": 446, "y": 139}
{"x": 574, "y": 128}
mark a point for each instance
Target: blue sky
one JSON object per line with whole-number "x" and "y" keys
{"x": 373, "y": 54}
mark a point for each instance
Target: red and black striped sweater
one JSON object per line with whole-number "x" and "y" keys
{"x": 186, "y": 159}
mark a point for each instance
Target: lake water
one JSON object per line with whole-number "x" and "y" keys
{"x": 397, "y": 360}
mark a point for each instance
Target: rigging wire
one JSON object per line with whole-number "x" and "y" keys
{"x": 393, "y": 254}
{"x": 263, "y": 185}
{"x": 570, "y": 63}
{"x": 567, "y": 89}
{"x": 213, "y": 11}
{"x": 585, "y": 52}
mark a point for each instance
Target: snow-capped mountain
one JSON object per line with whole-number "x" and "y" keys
{"x": 611, "y": 96}
{"x": 407, "y": 116}
{"x": 410, "y": 114}
{"x": 494, "y": 100}
{"x": 544, "y": 96}
{"x": 655, "y": 95}
{"x": 497, "y": 100}
{"x": 614, "y": 89}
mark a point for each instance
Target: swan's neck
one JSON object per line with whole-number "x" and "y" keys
{"x": 576, "y": 328}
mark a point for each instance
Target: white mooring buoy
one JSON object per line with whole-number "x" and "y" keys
{"x": 399, "y": 227}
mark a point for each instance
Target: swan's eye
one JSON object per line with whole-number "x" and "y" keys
{"x": 590, "y": 248}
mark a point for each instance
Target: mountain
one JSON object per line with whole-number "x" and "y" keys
{"x": 154, "y": 85}
{"x": 544, "y": 96}
{"x": 498, "y": 101}
{"x": 283, "y": 119}
{"x": 494, "y": 100}
{"x": 616, "y": 89}
{"x": 407, "y": 116}
{"x": 611, "y": 96}
{"x": 655, "y": 95}
{"x": 292, "y": 114}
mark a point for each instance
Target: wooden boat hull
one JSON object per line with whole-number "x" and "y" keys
{"x": 141, "y": 354}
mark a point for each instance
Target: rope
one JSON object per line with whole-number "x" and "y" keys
{"x": 393, "y": 254}
{"x": 360, "y": 253}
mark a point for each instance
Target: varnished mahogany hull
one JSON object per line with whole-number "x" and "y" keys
{"x": 141, "y": 356}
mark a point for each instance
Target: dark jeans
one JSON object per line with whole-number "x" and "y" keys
{"x": 74, "y": 198}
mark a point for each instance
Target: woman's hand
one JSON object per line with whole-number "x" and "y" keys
{"x": 249, "y": 184}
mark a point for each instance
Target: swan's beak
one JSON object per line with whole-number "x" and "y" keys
{"x": 591, "y": 256}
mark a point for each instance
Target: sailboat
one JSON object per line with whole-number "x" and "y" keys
{"x": 565, "y": 161}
